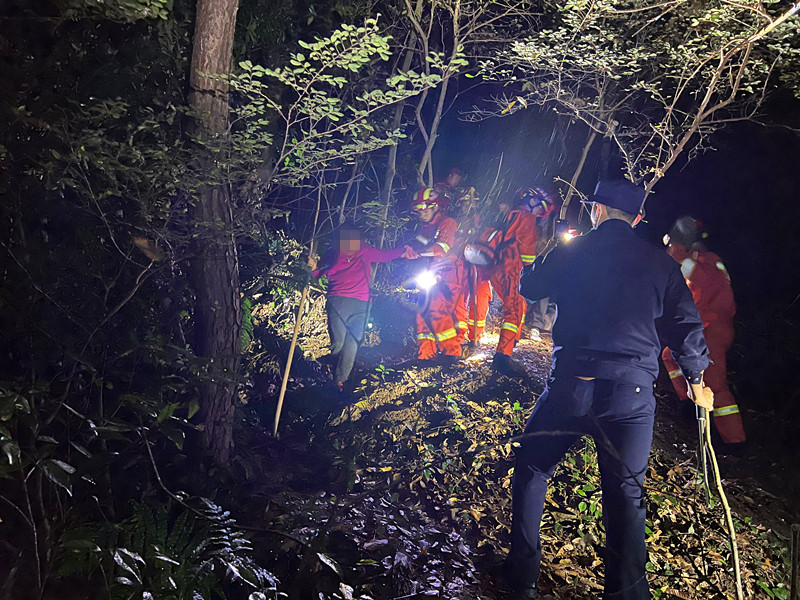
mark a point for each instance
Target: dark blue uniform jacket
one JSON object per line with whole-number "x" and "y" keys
{"x": 620, "y": 301}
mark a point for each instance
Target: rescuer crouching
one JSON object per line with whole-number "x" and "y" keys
{"x": 498, "y": 255}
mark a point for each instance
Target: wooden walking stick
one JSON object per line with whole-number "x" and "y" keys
{"x": 297, "y": 321}
{"x": 292, "y": 346}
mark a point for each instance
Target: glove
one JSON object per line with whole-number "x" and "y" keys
{"x": 702, "y": 396}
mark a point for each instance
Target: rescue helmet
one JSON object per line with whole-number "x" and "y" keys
{"x": 537, "y": 196}
{"x": 426, "y": 198}
{"x": 469, "y": 195}
{"x": 686, "y": 231}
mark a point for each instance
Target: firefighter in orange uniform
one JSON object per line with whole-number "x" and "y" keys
{"x": 435, "y": 238}
{"x": 470, "y": 225}
{"x": 542, "y": 205}
{"x": 513, "y": 245}
{"x": 710, "y": 285}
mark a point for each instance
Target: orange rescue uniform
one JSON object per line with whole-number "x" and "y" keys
{"x": 514, "y": 246}
{"x": 436, "y": 325}
{"x": 710, "y": 285}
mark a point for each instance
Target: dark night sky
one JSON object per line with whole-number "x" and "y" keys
{"x": 746, "y": 191}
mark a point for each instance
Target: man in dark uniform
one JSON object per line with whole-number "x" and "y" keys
{"x": 618, "y": 299}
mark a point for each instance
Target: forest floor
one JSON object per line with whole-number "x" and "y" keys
{"x": 403, "y": 491}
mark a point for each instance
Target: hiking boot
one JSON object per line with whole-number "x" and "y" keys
{"x": 503, "y": 364}
{"x": 328, "y": 359}
{"x": 341, "y": 394}
{"x": 424, "y": 363}
{"x": 737, "y": 449}
{"x": 504, "y": 575}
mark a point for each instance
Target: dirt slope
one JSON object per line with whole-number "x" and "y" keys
{"x": 405, "y": 493}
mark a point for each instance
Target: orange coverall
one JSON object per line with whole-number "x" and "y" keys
{"x": 436, "y": 325}
{"x": 710, "y": 285}
{"x": 515, "y": 246}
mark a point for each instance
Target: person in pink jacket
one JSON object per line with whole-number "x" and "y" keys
{"x": 348, "y": 265}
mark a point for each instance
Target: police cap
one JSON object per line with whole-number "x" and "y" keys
{"x": 620, "y": 194}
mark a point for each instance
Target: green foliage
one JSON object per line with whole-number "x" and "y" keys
{"x": 123, "y": 11}
{"x": 247, "y": 322}
{"x": 185, "y": 557}
{"x": 657, "y": 80}
{"x": 114, "y": 153}
{"x": 327, "y": 122}
{"x": 382, "y": 371}
{"x": 372, "y": 215}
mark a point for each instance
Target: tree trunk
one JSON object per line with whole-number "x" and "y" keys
{"x": 215, "y": 270}
{"x": 391, "y": 163}
{"x": 427, "y": 159}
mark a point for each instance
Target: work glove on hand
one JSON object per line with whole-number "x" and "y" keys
{"x": 702, "y": 396}
{"x": 312, "y": 262}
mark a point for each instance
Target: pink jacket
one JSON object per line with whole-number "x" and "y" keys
{"x": 349, "y": 275}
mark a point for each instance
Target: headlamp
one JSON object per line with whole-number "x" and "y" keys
{"x": 422, "y": 206}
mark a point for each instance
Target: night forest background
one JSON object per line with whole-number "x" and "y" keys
{"x": 166, "y": 166}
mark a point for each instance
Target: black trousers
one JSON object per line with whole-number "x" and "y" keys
{"x": 347, "y": 320}
{"x": 619, "y": 416}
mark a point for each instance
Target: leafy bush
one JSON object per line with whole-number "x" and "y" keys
{"x": 151, "y": 555}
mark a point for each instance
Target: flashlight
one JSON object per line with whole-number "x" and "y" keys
{"x": 569, "y": 234}
{"x": 561, "y": 227}
{"x": 426, "y": 280}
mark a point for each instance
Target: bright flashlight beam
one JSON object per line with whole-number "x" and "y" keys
{"x": 426, "y": 280}
{"x": 567, "y": 236}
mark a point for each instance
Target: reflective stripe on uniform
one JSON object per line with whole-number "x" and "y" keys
{"x": 444, "y": 246}
{"x": 462, "y": 325}
{"x": 723, "y": 411}
{"x": 511, "y": 327}
{"x": 425, "y": 336}
{"x": 446, "y": 334}
{"x": 675, "y": 374}
{"x": 527, "y": 258}
{"x": 480, "y": 323}
{"x": 722, "y": 268}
